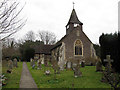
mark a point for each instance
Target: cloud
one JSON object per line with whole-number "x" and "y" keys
{"x": 98, "y": 16}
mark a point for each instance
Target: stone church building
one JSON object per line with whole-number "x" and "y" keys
{"x": 74, "y": 45}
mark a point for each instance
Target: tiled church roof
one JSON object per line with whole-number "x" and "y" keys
{"x": 43, "y": 49}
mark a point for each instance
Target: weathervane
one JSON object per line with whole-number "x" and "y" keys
{"x": 73, "y": 5}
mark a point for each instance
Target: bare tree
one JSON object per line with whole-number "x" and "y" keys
{"x": 30, "y": 36}
{"x": 47, "y": 37}
{"x": 10, "y": 22}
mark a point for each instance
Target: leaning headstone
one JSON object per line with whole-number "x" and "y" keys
{"x": 15, "y": 63}
{"x": 10, "y": 66}
{"x": 99, "y": 66}
{"x": 39, "y": 64}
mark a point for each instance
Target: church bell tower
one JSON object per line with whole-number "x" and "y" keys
{"x": 73, "y": 22}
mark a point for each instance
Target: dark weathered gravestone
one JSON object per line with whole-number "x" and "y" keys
{"x": 82, "y": 64}
{"x": 15, "y": 62}
{"x": 99, "y": 66}
{"x": 10, "y": 66}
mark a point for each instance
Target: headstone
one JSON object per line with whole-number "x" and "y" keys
{"x": 82, "y": 64}
{"x": 108, "y": 65}
{"x": 99, "y": 66}
{"x": 10, "y": 66}
{"x": 107, "y": 70}
{"x": 15, "y": 62}
{"x": 19, "y": 60}
{"x": 69, "y": 64}
{"x": 33, "y": 66}
{"x": 76, "y": 69}
{"x": 39, "y": 64}
{"x": 31, "y": 62}
{"x": 61, "y": 65}
{"x": 42, "y": 58}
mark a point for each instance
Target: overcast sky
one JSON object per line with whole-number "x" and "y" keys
{"x": 97, "y": 16}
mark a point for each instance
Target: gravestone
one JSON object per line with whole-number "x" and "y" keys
{"x": 15, "y": 62}
{"x": 108, "y": 65}
{"x": 108, "y": 69}
{"x": 33, "y": 66}
{"x": 99, "y": 66}
{"x": 61, "y": 65}
{"x": 76, "y": 69}
{"x": 82, "y": 64}
{"x": 42, "y": 58}
{"x": 69, "y": 65}
{"x": 10, "y": 66}
{"x": 19, "y": 60}
{"x": 31, "y": 62}
{"x": 39, "y": 64}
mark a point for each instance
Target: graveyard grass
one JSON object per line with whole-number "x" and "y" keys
{"x": 90, "y": 78}
{"x": 14, "y": 77}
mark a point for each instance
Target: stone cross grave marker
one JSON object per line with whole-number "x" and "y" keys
{"x": 108, "y": 66}
{"x": 108, "y": 69}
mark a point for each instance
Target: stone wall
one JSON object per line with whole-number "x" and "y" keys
{"x": 70, "y": 39}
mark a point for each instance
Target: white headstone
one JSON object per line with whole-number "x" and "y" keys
{"x": 68, "y": 65}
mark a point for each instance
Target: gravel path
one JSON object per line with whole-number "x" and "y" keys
{"x": 26, "y": 80}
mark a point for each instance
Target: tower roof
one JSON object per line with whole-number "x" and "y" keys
{"x": 74, "y": 18}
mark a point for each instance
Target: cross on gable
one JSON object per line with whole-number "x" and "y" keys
{"x": 108, "y": 59}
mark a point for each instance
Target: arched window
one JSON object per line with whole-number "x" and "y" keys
{"x": 78, "y": 47}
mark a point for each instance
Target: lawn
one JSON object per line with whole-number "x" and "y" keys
{"x": 14, "y": 77}
{"x": 90, "y": 78}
